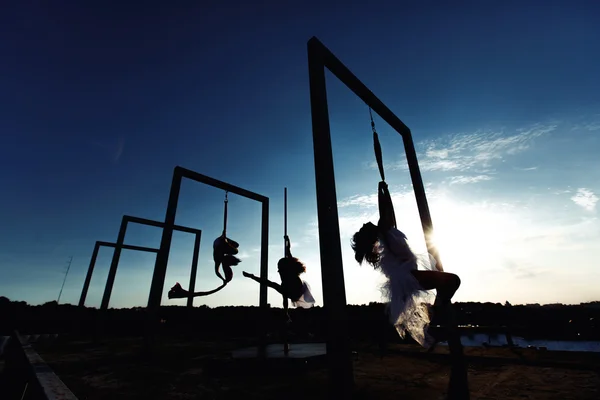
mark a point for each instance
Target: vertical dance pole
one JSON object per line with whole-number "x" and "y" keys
{"x": 286, "y": 345}
{"x": 285, "y": 212}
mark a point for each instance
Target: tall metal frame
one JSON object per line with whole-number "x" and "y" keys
{"x": 162, "y": 258}
{"x": 334, "y": 294}
{"x": 120, "y": 245}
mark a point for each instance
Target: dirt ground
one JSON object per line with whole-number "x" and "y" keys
{"x": 199, "y": 370}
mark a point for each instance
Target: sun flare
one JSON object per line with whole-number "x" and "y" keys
{"x": 468, "y": 237}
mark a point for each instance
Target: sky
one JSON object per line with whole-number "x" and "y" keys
{"x": 99, "y": 101}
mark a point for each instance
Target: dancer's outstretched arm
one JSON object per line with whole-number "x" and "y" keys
{"x": 270, "y": 284}
{"x": 386, "y": 208}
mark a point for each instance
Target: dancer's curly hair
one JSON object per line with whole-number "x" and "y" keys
{"x": 364, "y": 245}
{"x": 291, "y": 264}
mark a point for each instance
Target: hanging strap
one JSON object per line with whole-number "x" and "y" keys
{"x": 384, "y": 197}
{"x": 377, "y": 146}
{"x": 225, "y": 216}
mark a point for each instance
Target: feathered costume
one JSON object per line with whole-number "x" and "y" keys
{"x": 407, "y": 301}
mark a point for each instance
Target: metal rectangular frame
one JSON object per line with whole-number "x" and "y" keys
{"x": 162, "y": 258}
{"x": 120, "y": 245}
{"x": 334, "y": 294}
{"x": 90, "y": 272}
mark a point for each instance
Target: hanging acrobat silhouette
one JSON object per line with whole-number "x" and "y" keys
{"x": 386, "y": 249}
{"x": 290, "y": 268}
{"x": 224, "y": 250}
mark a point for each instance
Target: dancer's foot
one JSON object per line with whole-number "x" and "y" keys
{"x": 177, "y": 292}
{"x": 247, "y": 275}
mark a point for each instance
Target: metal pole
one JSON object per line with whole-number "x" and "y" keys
{"x": 110, "y": 281}
{"x": 88, "y": 277}
{"x": 284, "y": 213}
{"x": 422, "y": 205}
{"x": 286, "y": 345}
{"x": 334, "y": 295}
{"x": 190, "y": 300}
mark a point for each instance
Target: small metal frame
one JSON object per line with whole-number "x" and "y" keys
{"x": 120, "y": 245}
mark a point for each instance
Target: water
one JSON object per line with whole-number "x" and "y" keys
{"x": 477, "y": 339}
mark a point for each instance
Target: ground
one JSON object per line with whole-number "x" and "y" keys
{"x": 184, "y": 369}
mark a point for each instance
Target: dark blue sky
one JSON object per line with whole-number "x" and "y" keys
{"x": 101, "y": 100}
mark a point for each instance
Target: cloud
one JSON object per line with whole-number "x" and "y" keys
{"x": 462, "y": 180}
{"x": 590, "y": 126}
{"x": 527, "y": 169}
{"x": 398, "y": 192}
{"x": 364, "y": 200}
{"x": 585, "y": 198}
{"x": 593, "y": 126}
{"x": 474, "y": 151}
{"x": 559, "y": 192}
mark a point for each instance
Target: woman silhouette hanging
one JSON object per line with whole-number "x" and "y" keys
{"x": 386, "y": 248}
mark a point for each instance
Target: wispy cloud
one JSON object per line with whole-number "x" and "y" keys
{"x": 595, "y": 126}
{"x": 560, "y": 192}
{"x": 527, "y": 169}
{"x": 473, "y": 151}
{"x": 590, "y": 125}
{"x": 399, "y": 192}
{"x": 359, "y": 201}
{"x": 585, "y": 198}
{"x": 462, "y": 179}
